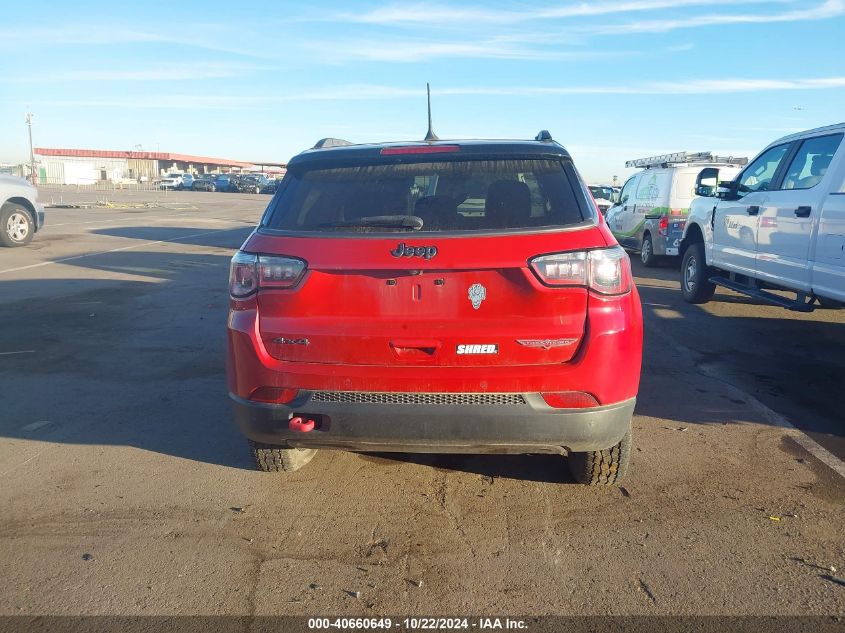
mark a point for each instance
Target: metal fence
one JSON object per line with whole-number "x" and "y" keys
{"x": 49, "y": 184}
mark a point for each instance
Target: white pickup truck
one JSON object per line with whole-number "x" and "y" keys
{"x": 780, "y": 225}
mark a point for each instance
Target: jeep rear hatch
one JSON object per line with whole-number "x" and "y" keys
{"x": 425, "y": 263}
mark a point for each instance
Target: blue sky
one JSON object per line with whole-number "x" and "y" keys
{"x": 612, "y": 80}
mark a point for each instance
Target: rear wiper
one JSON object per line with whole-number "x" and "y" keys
{"x": 409, "y": 222}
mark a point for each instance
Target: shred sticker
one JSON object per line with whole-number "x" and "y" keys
{"x": 478, "y": 349}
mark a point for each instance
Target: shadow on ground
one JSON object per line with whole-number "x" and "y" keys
{"x": 141, "y": 362}
{"x": 198, "y": 236}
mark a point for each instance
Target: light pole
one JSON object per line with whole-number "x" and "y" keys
{"x": 32, "y": 175}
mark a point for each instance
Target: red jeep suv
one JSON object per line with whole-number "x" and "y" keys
{"x": 435, "y": 297}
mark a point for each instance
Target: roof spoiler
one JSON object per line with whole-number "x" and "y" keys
{"x": 330, "y": 142}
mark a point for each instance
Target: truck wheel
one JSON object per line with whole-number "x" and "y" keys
{"x": 602, "y": 468}
{"x": 695, "y": 276}
{"x": 16, "y": 227}
{"x": 647, "y": 255}
{"x": 272, "y": 459}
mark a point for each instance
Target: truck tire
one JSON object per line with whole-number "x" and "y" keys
{"x": 274, "y": 459}
{"x": 16, "y": 225}
{"x": 602, "y": 468}
{"x": 647, "y": 256}
{"x": 696, "y": 286}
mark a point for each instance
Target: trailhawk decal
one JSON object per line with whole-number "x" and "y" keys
{"x": 547, "y": 343}
{"x": 478, "y": 349}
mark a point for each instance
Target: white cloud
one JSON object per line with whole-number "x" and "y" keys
{"x": 406, "y": 51}
{"x": 827, "y": 9}
{"x": 465, "y": 17}
{"x": 380, "y": 93}
{"x": 182, "y": 71}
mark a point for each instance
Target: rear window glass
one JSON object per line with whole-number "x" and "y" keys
{"x": 477, "y": 195}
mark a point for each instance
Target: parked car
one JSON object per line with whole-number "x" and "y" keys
{"x": 603, "y": 195}
{"x": 780, "y": 224}
{"x": 651, "y": 210}
{"x": 271, "y": 186}
{"x": 21, "y": 215}
{"x": 251, "y": 183}
{"x": 367, "y": 317}
{"x": 225, "y": 182}
{"x": 171, "y": 181}
{"x": 207, "y": 182}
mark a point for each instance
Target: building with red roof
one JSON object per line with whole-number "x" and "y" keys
{"x": 89, "y": 166}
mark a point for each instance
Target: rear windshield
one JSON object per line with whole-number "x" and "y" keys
{"x": 476, "y": 195}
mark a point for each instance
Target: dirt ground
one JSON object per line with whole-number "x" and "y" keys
{"x": 127, "y": 490}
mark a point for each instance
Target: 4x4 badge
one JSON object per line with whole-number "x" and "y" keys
{"x": 291, "y": 341}
{"x": 477, "y": 293}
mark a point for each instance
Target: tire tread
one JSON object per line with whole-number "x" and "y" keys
{"x": 606, "y": 467}
{"x": 272, "y": 459}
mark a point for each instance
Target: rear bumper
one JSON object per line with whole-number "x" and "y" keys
{"x": 533, "y": 427}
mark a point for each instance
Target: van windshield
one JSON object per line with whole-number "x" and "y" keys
{"x": 467, "y": 195}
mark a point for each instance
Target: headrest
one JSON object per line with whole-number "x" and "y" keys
{"x": 508, "y": 202}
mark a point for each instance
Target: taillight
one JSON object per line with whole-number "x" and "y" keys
{"x": 570, "y": 400}
{"x": 250, "y": 272}
{"x": 663, "y": 225}
{"x": 605, "y": 270}
{"x": 562, "y": 269}
{"x": 243, "y": 280}
{"x": 420, "y": 149}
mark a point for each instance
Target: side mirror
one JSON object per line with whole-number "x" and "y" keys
{"x": 614, "y": 197}
{"x": 727, "y": 190}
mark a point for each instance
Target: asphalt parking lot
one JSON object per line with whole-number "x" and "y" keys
{"x": 126, "y": 488}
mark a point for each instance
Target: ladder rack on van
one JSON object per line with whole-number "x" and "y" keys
{"x": 684, "y": 158}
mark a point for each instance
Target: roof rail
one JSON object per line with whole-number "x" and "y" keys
{"x": 543, "y": 136}
{"x": 330, "y": 142}
{"x": 665, "y": 160}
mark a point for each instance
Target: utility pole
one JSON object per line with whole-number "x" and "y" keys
{"x": 32, "y": 174}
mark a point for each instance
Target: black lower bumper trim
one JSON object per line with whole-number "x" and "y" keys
{"x": 531, "y": 428}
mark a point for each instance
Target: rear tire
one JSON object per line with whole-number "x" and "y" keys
{"x": 275, "y": 459}
{"x": 696, "y": 286}
{"x": 16, "y": 225}
{"x": 606, "y": 467}
{"x": 647, "y": 256}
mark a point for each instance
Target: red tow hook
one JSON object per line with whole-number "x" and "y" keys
{"x": 301, "y": 425}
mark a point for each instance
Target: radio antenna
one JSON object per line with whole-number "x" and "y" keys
{"x": 430, "y": 135}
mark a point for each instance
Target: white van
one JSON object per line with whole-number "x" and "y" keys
{"x": 650, "y": 213}
{"x": 780, "y": 224}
